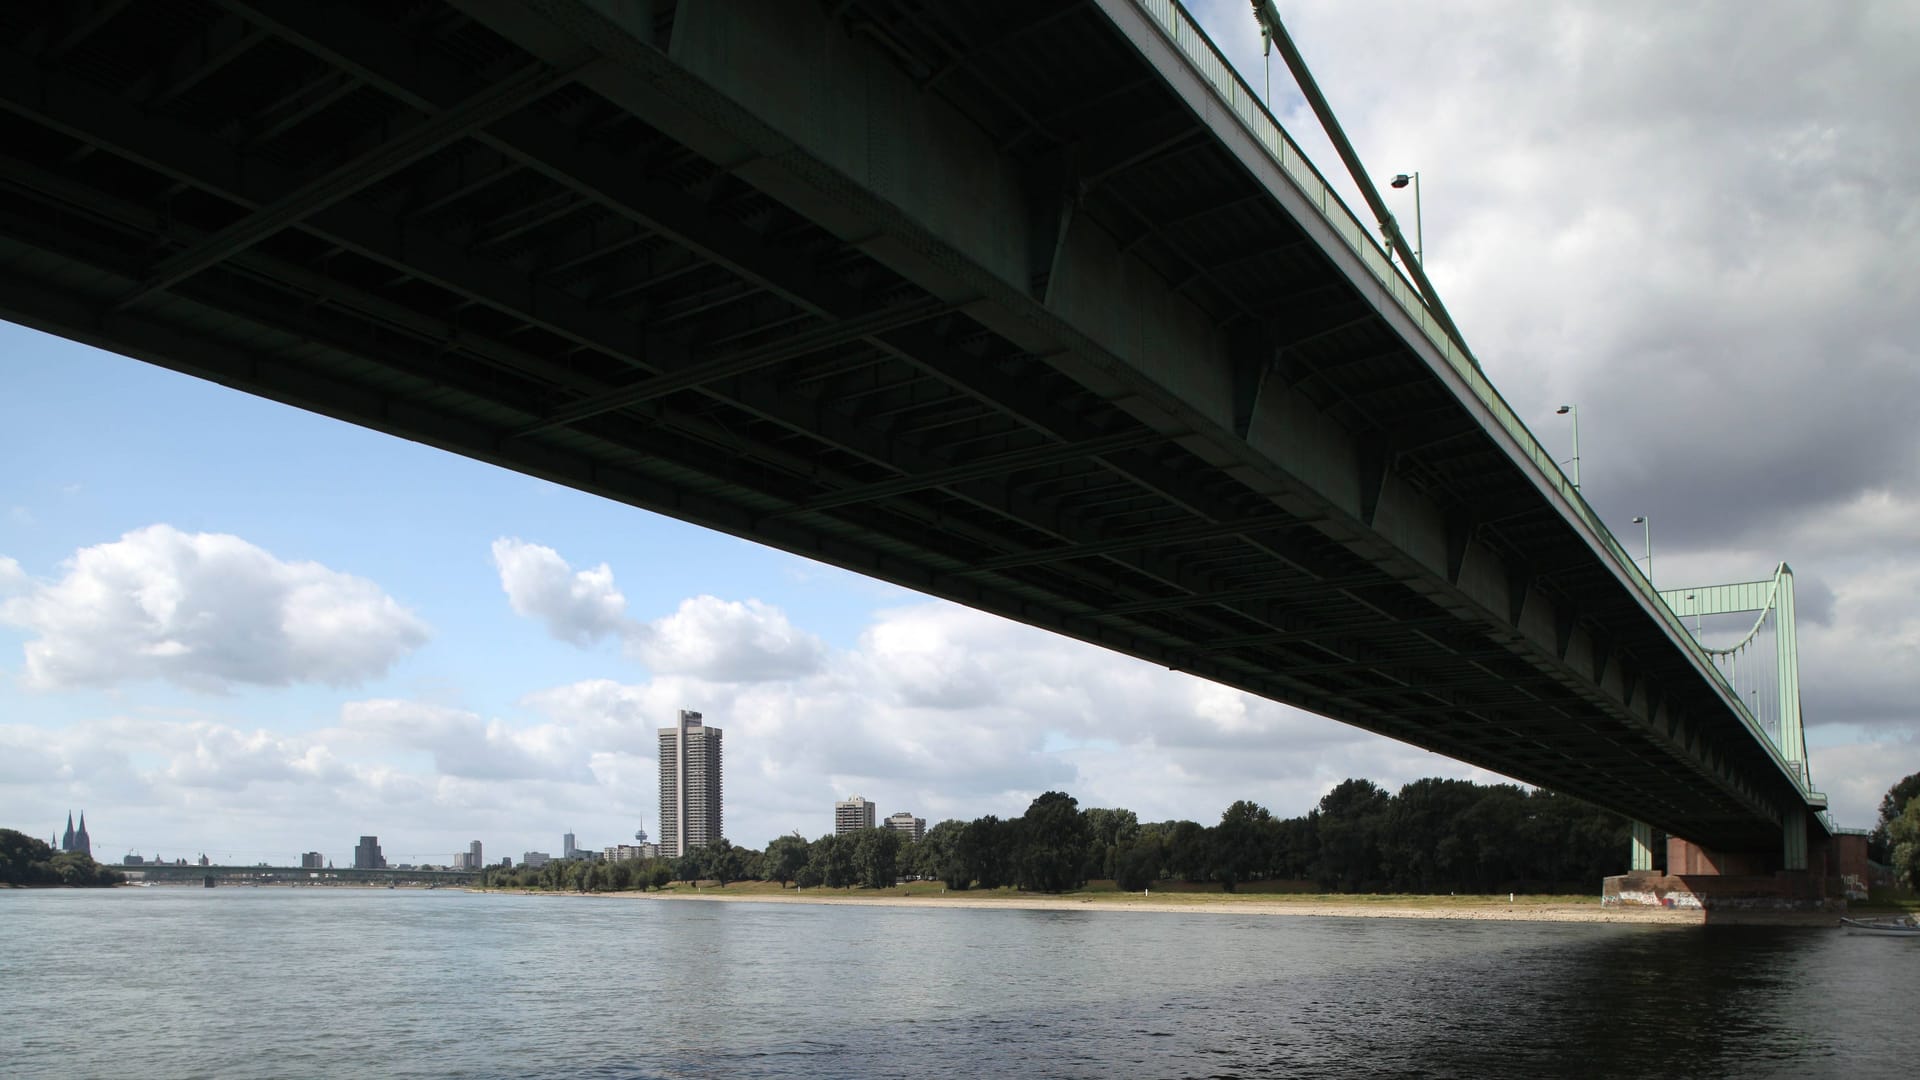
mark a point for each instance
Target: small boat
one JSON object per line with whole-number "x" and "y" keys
{"x": 1885, "y": 928}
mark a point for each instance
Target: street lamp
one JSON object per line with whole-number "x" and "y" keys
{"x": 1646, "y": 527}
{"x": 1569, "y": 410}
{"x": 1419, "y": 238}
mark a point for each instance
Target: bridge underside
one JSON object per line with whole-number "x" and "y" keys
{"x": 976, "y": 298}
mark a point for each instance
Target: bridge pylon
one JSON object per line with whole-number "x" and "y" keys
{"x": 1762, "y": 684}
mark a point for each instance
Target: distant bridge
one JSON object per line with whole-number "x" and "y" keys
{"x": 1027, "y": 304}
{"x": 174, "y": 873}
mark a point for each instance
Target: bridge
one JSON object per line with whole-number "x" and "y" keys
{"x": 1026, "y": 304}
{"x": 193, "y": 874}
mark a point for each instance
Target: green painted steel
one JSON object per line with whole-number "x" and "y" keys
{"x": 1642, "y": 847}
{"x": 1773, "y": 596}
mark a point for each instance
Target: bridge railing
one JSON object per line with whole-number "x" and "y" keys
{"x": 1184, "y": 32}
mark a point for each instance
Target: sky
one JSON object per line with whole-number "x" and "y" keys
{"x": 230, "y": 627}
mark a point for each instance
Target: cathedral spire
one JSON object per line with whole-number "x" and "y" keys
{"x": 66, "y": 839}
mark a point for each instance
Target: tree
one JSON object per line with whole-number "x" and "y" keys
{"x": 1239, "y": 845}
{"x": 691, "y": 866}
{"x": 936, "y": 855}
{"x": 1350, "y": 819}
{"x": 1903, "y": 833}
{"x": 27, "y": 861}
{"x": 1052, "y": 844}
{"x": 874, "y": 854}
{"x": 980, "y": 855}
{"x": 1892, "y": 805}
{"x": 785, "y": 856}
{"x": 1186, "y": 854}
{"x": 832, "y": 861}
{"x": 1137, "y": 865}
{"x": 723, "y": 862}
{"x": 1109, "y": 832}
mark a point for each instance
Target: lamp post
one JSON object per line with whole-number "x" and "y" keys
{"x": 1646, "y": 535}
{"x": 1419, "y": 237}
{"x": 1569, "y": 410}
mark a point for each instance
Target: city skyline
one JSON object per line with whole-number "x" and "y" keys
{"x": 483, "y": 654}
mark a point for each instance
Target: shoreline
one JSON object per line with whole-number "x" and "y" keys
{"x": 1444, "y": 908}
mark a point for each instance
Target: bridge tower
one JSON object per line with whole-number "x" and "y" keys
{"x": 1744, "y": 667}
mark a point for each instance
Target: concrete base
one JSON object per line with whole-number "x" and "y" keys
{"x": 1782, "y": 891}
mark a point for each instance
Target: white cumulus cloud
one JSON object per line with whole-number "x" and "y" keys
{"x": 726, "y": 641}
{"x": 706, "y": 638}
{"x": 206, "y": 611}
{"x": 578, "y": 607}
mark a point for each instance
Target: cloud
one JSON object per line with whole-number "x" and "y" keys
{"x": 706, "y": 638}
{"x": 726, "y": 641}
{"x": 576, "y": 607}
{"x": 464, "y": 746}
{"x": 205, "y": 611}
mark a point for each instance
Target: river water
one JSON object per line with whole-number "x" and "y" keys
{"x": 243, "y": 982}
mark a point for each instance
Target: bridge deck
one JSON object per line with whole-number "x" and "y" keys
{"x": 984, "y": 299}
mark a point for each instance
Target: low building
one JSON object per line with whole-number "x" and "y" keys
{"x": 909, "y": 827}
{"x": 626, "y": 852}
{"x": 534, "y": 860}
{"x": 313, "y": 860}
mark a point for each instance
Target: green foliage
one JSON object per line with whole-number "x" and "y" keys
{"x": 982, "y": 852}
{"x": 1137, "y": 866}
{"x": 1433, "y": 836}
{"x": 936, "y": 856}
{"x": 875, "y": 853}
{"x": 1903, "y": 834}
{"x": 786, "y": 855}
{"x": 1052, "y": 844}
{"x": 831, "y": 861}
{"x": 581, "y": 875}
{"x": 1892, "y": 805}
{"x": 27, "y": 861}
{"x": 1111, "y": 832}
{"x": 1350, "y": 820}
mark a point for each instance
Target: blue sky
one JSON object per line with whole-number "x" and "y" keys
{"x": 1713, "y": 263}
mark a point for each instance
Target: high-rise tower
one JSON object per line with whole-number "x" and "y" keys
{"x": 852, "y": 815}
{"x": 689, "y": 785}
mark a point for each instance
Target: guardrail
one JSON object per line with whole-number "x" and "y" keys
{"x": 1184, "y": 32}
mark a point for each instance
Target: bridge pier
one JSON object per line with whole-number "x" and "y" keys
{"x": 1642, "y": 854}
{"x": 1809, "y": 872}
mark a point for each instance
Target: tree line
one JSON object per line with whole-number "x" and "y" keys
{"x": 1431, "y": 836}
{"x": 26, "y": 861}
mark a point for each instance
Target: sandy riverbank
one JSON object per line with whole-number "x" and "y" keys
{"x": 1441, "y": 907}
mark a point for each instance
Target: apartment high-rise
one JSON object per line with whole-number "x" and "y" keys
{"x": 474, "y": 861}
{"x": 366, "y": 854}
{"x": 689, "y": 785}
{"x": 909, "y": 827}
{"x": 852, "y": 815}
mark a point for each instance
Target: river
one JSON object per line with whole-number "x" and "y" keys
{"x": 312, "y": 982}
